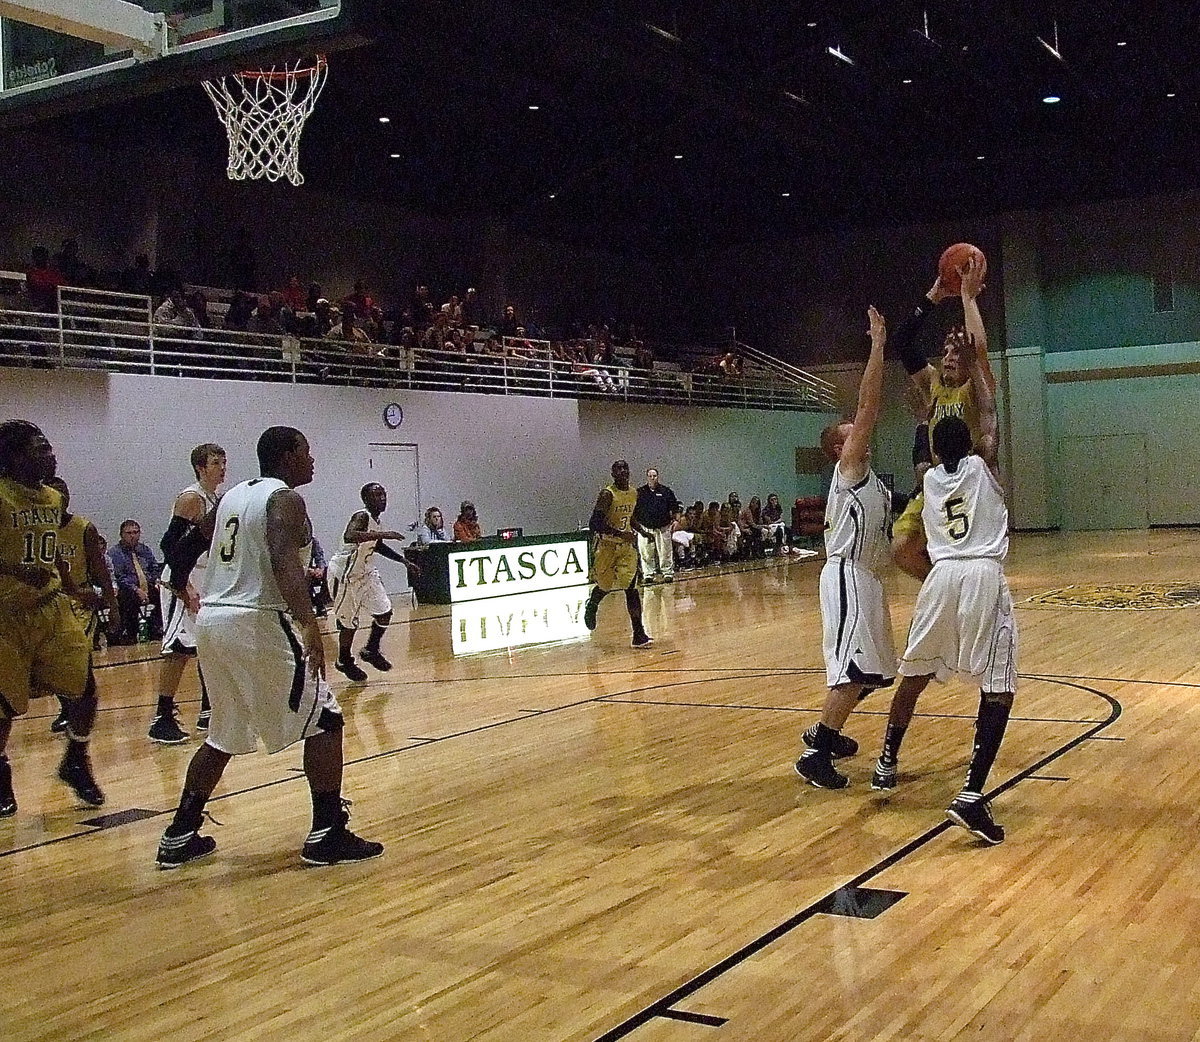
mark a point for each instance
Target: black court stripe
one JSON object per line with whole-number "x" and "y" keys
{"x": 662, "y": 1006}
{"x": 694, "y": 1018}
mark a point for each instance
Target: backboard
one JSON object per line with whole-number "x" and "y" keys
{"x": 37, "y": 63}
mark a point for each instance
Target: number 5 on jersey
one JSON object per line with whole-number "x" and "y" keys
{"x": 229, "y": 541}
{"x": 957, "y": 522}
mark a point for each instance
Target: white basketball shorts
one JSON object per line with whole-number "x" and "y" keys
{"x": 358, "y": 598}
{"x": 964, "y": 623}
{"x": 179, "y": 625}
{"x": 258, "y": 682}
{"x": 856, "y": 626}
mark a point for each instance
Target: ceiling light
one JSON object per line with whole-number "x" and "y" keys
{"x": 837, "y": 53}
{"x": 679, "y": 157}
{"x": 663, "y": 33}
{"x": 981, "y": 157}
{"x": 1121, "y": 43}
{"x": 906, "y": 81}
{"x": 786, "y": 195}
{"x": 534, "y": 108}
{"x": 1051, "y": 99}
{"x": 385, "y": 119}
{"x": 812, "y": 25}
{"x": 395, "y": 155}
{"x": 553, "y": 195}
{"x": 1171, "y": 94}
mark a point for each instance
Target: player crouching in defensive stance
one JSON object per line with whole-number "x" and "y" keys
{"x": 857, "y": 628}
{"x": 615, "y": 558}
{"x": 43, "y": 647}
{"x": 963, "y": 621}
{"x": 356, "y": 587}
{"x": 258, "y": 641}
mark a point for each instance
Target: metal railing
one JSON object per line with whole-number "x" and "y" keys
{"x": 115, "y": 332}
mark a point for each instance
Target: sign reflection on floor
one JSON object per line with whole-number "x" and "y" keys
{"x": 525, "y": 618}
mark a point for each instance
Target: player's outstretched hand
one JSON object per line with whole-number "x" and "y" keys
{"x": 937, "y": 292}
{"x": 877, "y": 328}
{"x": 972, "y": 277}
{"x": 314, "y": 648}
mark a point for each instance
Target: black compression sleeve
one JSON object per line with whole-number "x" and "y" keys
{"x": 183, "y": 553}
{"x": 904, "y": 339}
{"x": 177, "y": 527}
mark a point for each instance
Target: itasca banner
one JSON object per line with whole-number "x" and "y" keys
{"x": 501, "y": 571}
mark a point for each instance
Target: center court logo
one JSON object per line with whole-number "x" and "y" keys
{"x": 1121, "y": 596}
{"x": 503, "y": 571}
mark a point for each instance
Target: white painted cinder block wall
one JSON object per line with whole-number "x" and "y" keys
{"x": 123, "y": 443}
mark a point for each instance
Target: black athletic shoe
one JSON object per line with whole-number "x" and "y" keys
{"x": 203, "y": 719}
{"x": 174, "y": 851}
{"x": 642, "y": 640}
{"x": 8, "y": 802}
{"x": 976, "y": 817}
{"x": 77, "y": 773}
{"x": 883, "y": 778}
{"x": 59, "y": 724}
{"x": 842, "y": 745}
{"x": 350, "y": 670}
{"x": 337, "y": 844}
{"x": 166, "y": 730}
{"x": 818, "y": 770}
{"x": 374, "y": 657}
{"x": 589, "y": 614}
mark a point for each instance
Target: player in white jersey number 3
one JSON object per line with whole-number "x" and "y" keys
{"x": 963, "y": 621}
{"x": 261, "y": 650}
{"x": 857, "y": 629}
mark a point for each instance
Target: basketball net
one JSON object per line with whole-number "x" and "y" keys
{"x": 264, "y": 112}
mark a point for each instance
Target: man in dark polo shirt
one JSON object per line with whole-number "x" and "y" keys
{"x": 656, "y": 505}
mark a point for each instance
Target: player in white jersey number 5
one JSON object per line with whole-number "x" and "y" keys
{"x": 857, "y": 628}
{"x": 261, "y": 650}
{"x": 963, "y": 621}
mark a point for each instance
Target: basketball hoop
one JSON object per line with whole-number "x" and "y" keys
{"x": 264, "y": 112}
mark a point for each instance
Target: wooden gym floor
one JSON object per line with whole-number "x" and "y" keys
{"x": 589, "y": 842}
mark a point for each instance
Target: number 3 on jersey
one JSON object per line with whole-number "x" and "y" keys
{"x": 957, "y": 522}
{"x": 229, "y": 541}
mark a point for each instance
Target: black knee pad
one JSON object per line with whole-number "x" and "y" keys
{"x": 383, "y": 620}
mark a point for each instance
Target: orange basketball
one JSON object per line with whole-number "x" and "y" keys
{"x": 951, "y": 262}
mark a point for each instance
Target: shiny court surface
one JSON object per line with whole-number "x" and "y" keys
{"x": 585, "y": 841}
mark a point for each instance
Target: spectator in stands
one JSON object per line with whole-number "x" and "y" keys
{"x": 322, "y": 317}
{"x": 42, "y": 280}
{"x": 350, "y": 334}
{"x": 730, "y": 365}
{"x": 683, "y": 539}
{"x": 421, "y": 310}
{"x": 318, "y": 587}
{"x": 269, "y": 316}
{"x": 452, "y": 309}
{"x": 138, "y": 278}
{"x": 437, "y": 334}
{"x": 362, "y": 301}
{"x": 750, "y": 524}
{"x": 466, "y": 528}
{"x": 728, "y": 533}
{"x": 74, "y": 271}
{"x": 294, "y": 296}
{"x": 775, "y": 529}
{"x": 198, "y": 302}
{"x": 174, "y": 311}
{"x": 136, "y": 572}
{"x": 508, "y": 323}
{"x": 735, "y": 504}
{"x": 241, "y": 310}
{"x": 433, "y": 528}
{"x": 472, "y": 316}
